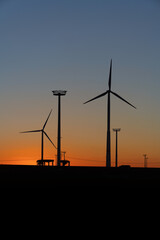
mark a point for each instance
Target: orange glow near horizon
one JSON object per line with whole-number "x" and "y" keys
{"x": 88, "y": 157}
{"x": 85, "y": 146}
{"x": 81, "y": 150}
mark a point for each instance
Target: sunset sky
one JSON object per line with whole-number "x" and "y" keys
{"x": 47, "y": 45}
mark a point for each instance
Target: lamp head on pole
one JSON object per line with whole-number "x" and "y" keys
{"x": 59, "y": 92}
{"x": 116, "y": 129}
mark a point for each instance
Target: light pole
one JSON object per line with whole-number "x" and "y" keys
{"x": 59, "y": 93}
{"x": 116, "y": 130}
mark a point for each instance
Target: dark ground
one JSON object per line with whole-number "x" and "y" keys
{"x": 15, "y": 176}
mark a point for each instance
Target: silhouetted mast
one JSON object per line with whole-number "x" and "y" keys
{"x": 116, "y": 159}
{"x": 145, "y": 160}
{"x": 108, "y": 150}
{"x": 59, "y": 93}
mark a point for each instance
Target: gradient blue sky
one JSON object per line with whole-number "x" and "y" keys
{"x": 68, "y": 44}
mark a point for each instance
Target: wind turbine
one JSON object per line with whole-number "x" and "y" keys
{"x": 43, "y": 132}
{"x": 108, "y": 150}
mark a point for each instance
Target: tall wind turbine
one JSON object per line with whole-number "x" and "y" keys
{"x": 43, "y": 132}
{"x": 109, "y": 91}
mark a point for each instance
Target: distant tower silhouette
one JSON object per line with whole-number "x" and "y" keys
{"x": 145, "y": 160}
{"x": 109, "y": 91}
{"x": 116, "y": 159}
{"x": 59, "y": 93}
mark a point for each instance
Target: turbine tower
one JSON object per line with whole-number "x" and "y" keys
{"x": 116, "y": 130}
{"x": 42, "y": 138}
{"x": 59, "y": 93}
{"x": 109, "y": 91}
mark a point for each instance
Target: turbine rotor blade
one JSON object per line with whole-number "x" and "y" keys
{"x": 101, "y": 95}
{"x": 31, "y": 131}
{"x": 49, "y": 139}
{"x": 110, "y": 75}
{"x": 47, "y": 119}
{"x": 122, "y": 99}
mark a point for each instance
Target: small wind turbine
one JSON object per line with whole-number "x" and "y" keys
{"x": 108, "y": 150}
{"x": 43, "y": 132}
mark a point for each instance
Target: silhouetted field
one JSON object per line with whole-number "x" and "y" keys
{"x": 16, "y": 176}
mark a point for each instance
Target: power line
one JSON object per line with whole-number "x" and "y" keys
{"x": 84, "y": 159}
